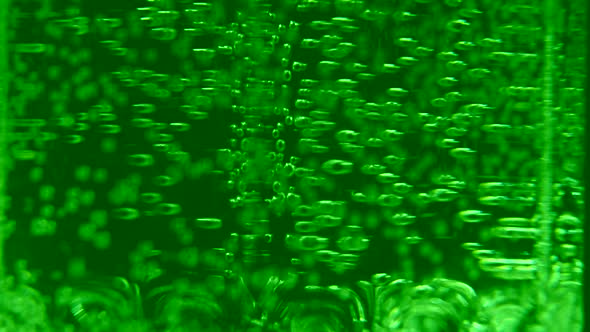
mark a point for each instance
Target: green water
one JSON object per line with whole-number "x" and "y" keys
{"x": 338, "y": 165}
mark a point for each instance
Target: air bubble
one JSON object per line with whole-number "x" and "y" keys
{"x": 438, "y": 102}
{"x": 328, "y": 220}
{"x": 353, "y": 243}
{"x": 337, "y": 167}
{"x": 456, "y": 66}
{"x": 458, "y": 25}
{"x": 312, "y": 242}
{"x": 473, "y": 216}
{"x": 387, "y": 178}
{"x": 402, "y": 219}
{"x": 390, "y": 68}
{"x": 464, "y": 45}
{"x": 389, "y": 200}
{"x": 397, "y": 92}
{"x": 484, "y": 254}
{"x": 515, "y": 232}
{"x": 30, "y": 48}
{"x": 373, "y": 169}
{"x": 406, "y": 42}
{"x": 306, "y": 227}
{"x": 408, "y": 61}
{"x": 479, "y": 73}
{"x": 447, "y": 82}
{"x": 126, "y": 213}
{"x": 141, "y": 160}
{"x": 422, "y": 51}
{"x": 462, "y": 153}
{"x": 167, "y": 209}
{"x": 208, "y": 223}
{"x": 310, "y": 43}
{"x": 444, "y": 195}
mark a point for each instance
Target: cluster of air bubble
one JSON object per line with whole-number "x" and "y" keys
{"x": 298, "y": 165}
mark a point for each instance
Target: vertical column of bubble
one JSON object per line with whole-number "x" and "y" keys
{"x": 251, "y": 144}
{"x": 328, "y": 243}
{"x": 508, "y": 51}
{"x": 4, "y": 134}
{"x": 559, "y": 209}
{"x": 305, "y": 240}
{"x": 256, "y": 144}
{"x": 502, "y": 135}
{"x": 545, "y": 183}
{"x": 568, "y": 147}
